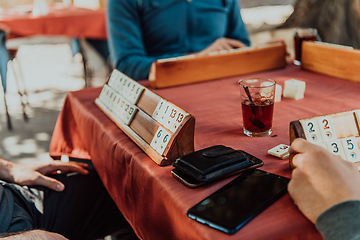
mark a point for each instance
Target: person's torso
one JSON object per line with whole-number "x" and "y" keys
{"x": 187, "y": 25}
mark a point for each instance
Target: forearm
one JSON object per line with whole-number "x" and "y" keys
{"x": 34, "y": 235}
{"x": 5, "y": 170}
{"x": 138, "y": 67}
{"x": 237, "y": 29}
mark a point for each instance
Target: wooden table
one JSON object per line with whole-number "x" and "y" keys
{"x": 152, "y": 200}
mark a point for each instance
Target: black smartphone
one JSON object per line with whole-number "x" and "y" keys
{"x": 235, "y": 204}
{"x": 191, "y": 182}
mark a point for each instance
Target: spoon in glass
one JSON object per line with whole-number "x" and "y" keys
{"x": 253, "y": 119}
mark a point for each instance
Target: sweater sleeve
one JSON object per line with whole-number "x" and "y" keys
{"x": 237, "y": 29}
{"x": 127, "y": 50}
{"x": 341, "y": 221}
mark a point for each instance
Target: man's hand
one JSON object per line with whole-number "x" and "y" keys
{"x": 34, "y": 173}
{"x": 152, "y": 71}
{"x": 321, "y": 179}
{"x": 221, "y": 44}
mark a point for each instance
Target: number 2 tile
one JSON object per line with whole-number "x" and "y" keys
{"x": 326, "y": 128}
{"x": 311, "y": 131}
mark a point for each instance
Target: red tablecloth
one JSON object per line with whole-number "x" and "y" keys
{"x": 152, "y": 200}
{"x": 69, "y": 21}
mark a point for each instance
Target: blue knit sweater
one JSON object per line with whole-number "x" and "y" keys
{"x": 142, "y": 31}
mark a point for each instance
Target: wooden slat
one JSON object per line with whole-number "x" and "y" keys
{"x": 199, "y": 69}
{"x": 148, "y": 101}
{"x": 131, "y": 134}
{"x": 144, "y": 126}
{"x": 331, "y": 60}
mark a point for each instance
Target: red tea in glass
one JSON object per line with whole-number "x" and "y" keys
{"x": 302, "y": 34}
{"x": 257, "y": 104}
{"x": 263, "y": 112}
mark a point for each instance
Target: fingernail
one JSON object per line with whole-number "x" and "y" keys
{"x": 59, "y": 187}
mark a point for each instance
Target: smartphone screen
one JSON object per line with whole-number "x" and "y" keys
{"x": 232, "y": 206}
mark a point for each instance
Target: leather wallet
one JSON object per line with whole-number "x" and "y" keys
{"x": 213, "y": 162}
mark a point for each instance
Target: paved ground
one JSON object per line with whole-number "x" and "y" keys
{"x": 49, "y": 72}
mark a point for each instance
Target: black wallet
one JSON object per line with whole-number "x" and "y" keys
{"x": 212, "y": 163}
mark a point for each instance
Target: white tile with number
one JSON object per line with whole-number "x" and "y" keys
{"x": 170, "y": 116}
{"x": 114, "y": 79}
{"x": 351, "y": 149}
{"x": 160, "y": 140}
{"x": 123, "y": 84}
{"x": 126, "y": 87}
{"x": 124, "y": 109}
{"x": 137, "y": 91}
{"x": 311, "y": 131}
{"x": 179, "y": 118}
{"x": 164, "y": 143}
{"x": 119, "y": 86}
{"x": 109, "y": 100}
{"x": 114, "y": 101}
{"x": 159, "y": 110}
{"x": 162, "y": 112}
{"x": 102, "y": 95}
{"x": 130, "y": 113}
{"x": 326, "y": 128}
{"x": 117, "y": 107}
{"x": 336, "y": 148}
{"x": 121, "y": 108}
{"x": 105, "y": 95}
{"x": 280, "y": 151}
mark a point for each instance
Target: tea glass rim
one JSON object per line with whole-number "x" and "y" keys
{"x": 273, "y": 82}
{"x": 306, "y": 31}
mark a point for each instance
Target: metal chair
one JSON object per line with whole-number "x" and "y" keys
{"x": 8, "y": 57}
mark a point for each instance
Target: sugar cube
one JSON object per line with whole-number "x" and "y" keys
{"x": 294, "y": 89}
{"x": 278, "y": 93}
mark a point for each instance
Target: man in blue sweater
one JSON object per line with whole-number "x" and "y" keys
{"x": 142, "y": 31}
{"x": 327, "y": 190}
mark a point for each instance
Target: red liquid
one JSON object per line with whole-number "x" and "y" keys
{"x": 264, "y": 112}
{"x": 298, "y": 41}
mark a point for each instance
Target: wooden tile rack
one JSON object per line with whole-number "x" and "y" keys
{"x": 190, "y": 69}
{"x": 337, "y": 132}
{"x": 332, "y": 60}
{"x": 161, "y": 129}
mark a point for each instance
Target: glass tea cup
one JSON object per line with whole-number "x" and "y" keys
{"x": 257, "y": 104}
{"x": 302, "y": 34}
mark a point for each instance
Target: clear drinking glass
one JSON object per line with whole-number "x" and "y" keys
{"x": 257, "y": 103}
{"x": 302, "y": 34}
